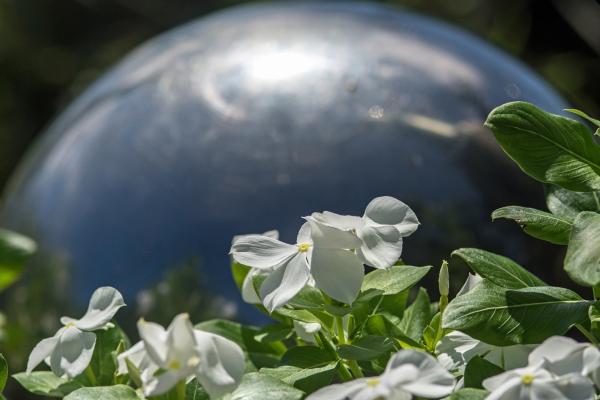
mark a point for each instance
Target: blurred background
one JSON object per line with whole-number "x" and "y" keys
{"x": 50, "y": 51}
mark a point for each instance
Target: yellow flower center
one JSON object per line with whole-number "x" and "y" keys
{"x": 372, "y": 382}
{"x": 70, "y": 325}
{"x": 174, "y": 364}
{"x": 527, "y": 379}
{"x": 303, "y": 247}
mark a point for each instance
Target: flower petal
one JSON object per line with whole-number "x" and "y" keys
{"x": 274, "y": 234}
{"x": 41, "y": 351}
{"x": 340, "y": 391}
{"x": 285, "y": 282}
{"x": 344, "y": 222}
{"x": 154, "y": 337}
{"x": 387, "y": 210}
{"x": 261, "y": 251}
{"x": 307, "y": 330}
{"x": 507, "y": 389}
{"x": 330, "y": 237}
{"x": 162, "y": 383}
{"x": 249, "y": 294}
{"x": 574, "y": 387}
{"x": 73, "y": 352}
{"x": 180, "y": 339}
{"x": 136, "y": 355}
{"x": 381, "y": 246}
{"x": 339, "y": 273}
{"x": 104, "y": 304}
{"x": 221, "y": 365}
{"x": 304, "y": 234}
{"x": 433, "y": 381}
{"x": 470, "y": 282}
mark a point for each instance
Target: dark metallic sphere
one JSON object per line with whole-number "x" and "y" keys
{"x": 248, "y": 119}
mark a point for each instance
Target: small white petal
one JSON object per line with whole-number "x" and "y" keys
{"x": 330, "y": 237}
{"x": 73, "y": 352}
{"x": 574, "y": 387}
{"x": 387, "y": 210}
{"x": 274, "y": 234}
{"x": 471, "y": 281}
{"x": 285, "y": 282}
{"x": 154, "y": 337}
{"x": 249, "y": 294}
{"x": 180, "y": 339}
{"x": 591, "y": 360}
{"x": 381, "y": 246}
{"x": 162, "y": 383}
{"x": 304, "y": 234}
{"x": 554, "y": 348}
{"x": 221, "y": 364}
{"x": 339, "y": 273}
{"x": 509, "y": 388}
{"x": 261, "y": 251}
{"x": 340, "y": 391}
{"x": 104, "y": 304}
{"x": 41, "y": 351}
{"x": 344, "y": 222}
{"x": 136, "y": 355}
{"x": 307, "y": 330}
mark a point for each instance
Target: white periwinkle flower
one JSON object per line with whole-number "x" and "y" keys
{"x": 319, "y": 250}
{"x": 408, "y": 373}
{"x": 138, "y": 357}
{"x": 70, "y": 350}
{"x": 182, "y": 352}
{"x": 385, "y": 222}
{"x": 537, "y": 382}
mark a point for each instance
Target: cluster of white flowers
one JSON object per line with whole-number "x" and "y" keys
{"x": 162, "y": 359}
{"x": 330, "y": 251}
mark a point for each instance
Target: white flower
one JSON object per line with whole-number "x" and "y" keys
{"x": 456, "y": 349}
{"x": 536, "y": 382}
{"x": 70, "y": 350}
{"x": 182, "y": 352}
{"x": 307, "y": 330}
{"x": 249, "y": 294}
{"x": 408, "y": 373}
{"x": 139, "y": 358}
{"x": 319, "y": 251}
{"x": 385, "y": 222}
{"x": 471, "y": 281}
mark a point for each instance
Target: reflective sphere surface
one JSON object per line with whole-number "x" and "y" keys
{"x": 248, "y": 119}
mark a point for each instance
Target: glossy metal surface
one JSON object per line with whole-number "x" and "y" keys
{"x": 245, "y": 120}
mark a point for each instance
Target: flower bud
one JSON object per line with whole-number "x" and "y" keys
{"x": 444, "y": 279}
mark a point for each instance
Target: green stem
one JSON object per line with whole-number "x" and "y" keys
{"x": 180, "y": 390}
{"x": 91, "y": 376}
{"x": 339, "y": 322}
{"x": 587, "y": 334}
{"x": 355, "y": 369}
{"x": 596, "y": 290}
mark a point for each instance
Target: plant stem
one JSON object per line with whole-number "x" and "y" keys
{"x": 180, "y": 390}
{"x": 587, "y": 333}
{"x": 355, "y": 369}
{"x": 339, "y": 322}
{"x": 596, "y": 290}
{"x": 89, "y": 373}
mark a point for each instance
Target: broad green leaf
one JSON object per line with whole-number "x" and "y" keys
{"x": 306, "y": 379}
{"x": 3, "y": 372}
{"x": 104, "y": 360}
{"x": 306, "y": 357}
{"x": 417, "y": 316}
{"x": 298, "y": 315}
{"x": 45, "y": 383}
{"x": 265, "y": 354}
{"x": 15, "y": 250}
{"x": 503, "y": 317}
{"x": 395, "y": 279}
{"x": 380, "y": 325}
{"x": 395, "y": 304}
{"x": 582, "y": 261}
{"x": 539, "y": 224}
{"x": 117, "y": 392}
{"x": 309, "y": 298}
{"x": 239, "y": 272}
{"x": 498, "y": 269}
{"x": 567, "y": 204}
{"x": 548, "y": 147}
{"x": 477, "y": 370}
{"x": 257, "y": 386}
{"x": 195, "y": 391}
{"x": 273, "y": 333}
{"x": 366, "y": 348}
{"x": 585, "y": 116}
{"x": 468, "y": 394}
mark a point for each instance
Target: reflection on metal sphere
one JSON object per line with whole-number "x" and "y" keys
{"x": 248, "y": 119}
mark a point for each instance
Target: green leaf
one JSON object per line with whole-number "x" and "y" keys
{"x": 15, "y": 250}
{"x": 380, "y": 325}
{"x": 3, "y": 372}
{"x": 195, "y": 391}
{"x": 308, "y": 298}
{"x": 118, "y": 392}
{"x": 273, "y": 333}
{"x": 366, "y": 348}
{"x": 468, "y": 394}
{"x": 548, "y": 147}
{"x": 477, "y": 370}
{"x": 306, "y": 357}
{"x": 258, "y": 386}
{"x": 306, "y": 379}
{"x": 567, "y": 204}
{"x": 104, "y": 359}
{"x": 582, "y": 261}
{"x": 433, "y": 332}
{"x": 498, "y": 269}
{"x": 503, "y": 317}
{"x": 417, "y": 316}
{"x": 239, "y": 272}
{"x": 261, "y": 354}
{"x": 539, "y": 224}
{"x": 395, "y": 279}
{"x": 585, "y": 116}
{"x": 45, "y": 383}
